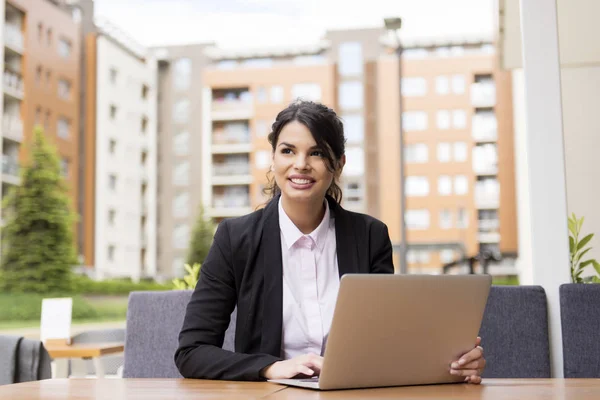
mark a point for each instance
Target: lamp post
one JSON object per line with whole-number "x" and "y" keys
{"x": 393, "y": 25}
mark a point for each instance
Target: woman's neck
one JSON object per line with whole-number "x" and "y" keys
{"x": 305, "y": 215}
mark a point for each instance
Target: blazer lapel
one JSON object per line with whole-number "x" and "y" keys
{"x": 346, "y": 246}
{"x": 272, "y": 307}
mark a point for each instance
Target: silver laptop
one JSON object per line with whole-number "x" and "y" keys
{"x": 395, "y": 330}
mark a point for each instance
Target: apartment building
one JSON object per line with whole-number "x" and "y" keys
{"x": 121, "y": 156}
{"x": 40, "y": 85}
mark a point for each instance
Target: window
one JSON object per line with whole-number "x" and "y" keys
{"x": 258, "y": 62}
{"x": 443, "y": 152}
{"x": 113, "y": 112}
{"x": 47, "y": 120}
{"x": 460, "y": 151}
{"x": 112, "y": 182}
{"x": 64, "y": 167}
{"x": 113, "y": 76}
{"x": 181, "y": 235}
{"x": 64, "y": 48}
{"x": 40, "y": 28}
{"x": 38, "y": 75}
{"x": 181, "y": 111}
{"x": 462, "y": 220}
{"x": 445, "y": 219}
{"x": 444, "y": 185}
{"x": 314, "y": 59}
{"x": 306, "y": 91}
{"x": 458, "y": 84}
{"x": 351, "y": 95}
{"x": 417, "y": 186}
{"x": 112, "y": 146}
{"x": 181, "y": 204}
{"x": 442, "y": 86}
{"x": 181, "y": 173}
{"x": 442, "y": 52}
{"x": 415, "y": 53}
{"x": 418, "y": 256}
{"x": 111, "y": 253}
{"x": 182, "y": 143}
{"x": 461, "y": 185}
{"x": 447, "y": 256}
{"x": 111, "y": 217}
{"x": 485, "y": 159}
{"x": 48, "y": 78}
{"x": 144, "y": 124}
{"x": 443, "y": 119}
{"x": 350, "y": 61}
{"x": 262, "y": 159}
{"x": 262, "y": 129}
{"x": 145, "y": 90}
{"x": 412, "y": 87}
{"x": 417, "y": 219}
{"x": 38, "y": 115}
{"x": 261, "y": 94}
{"x": 414, "y": 120}
{"x": 355, "y": 162}
{"x": 276, "y": 94}
{"x": 63, "y": 127}
{"x": 182, "y": 74}
{"x": 64, "y": 89}
{"x": 416, "y": 153}
{"x": 49, "y": 36}
{"x": 354, "y": 128}
{"x": 459, "y": 119}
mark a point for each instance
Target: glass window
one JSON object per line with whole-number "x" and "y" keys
{"x": 111, "y": 216}
{"x": 460, "y": 151}
{"x": 261, "y": 94}
{"x": 306, "y": 91}
{"x": 351, "y": 95}
{"x": 459, "y": 119}
{"x": 444, "y": 185}
{"x": 258, "y": 62}
{"x": 113, "y": 76}
{"x": 112, "y": 182}
{"x": 444, "y": 152}
{"x": 227, "y": 64}
{"x": 276, "y": 94}
{"x": 350, "y": 59}
{"x": 417, "y": 186}
{"x": 442, "y": 85}
{"x": 181, "y": 173}
{"x": 355, "y": 162}
{"x": 181, "y": 236}
{"x": 462, "y": 220}
{"x": 64, "y": 167}
{"x": 485, "y": 159}
{"x": 181, "y": 143}
{"x": 63, "y": 128}
{"x": 416, "y": 153}
{"x": 461, "y": 185}
{"x": 458, "y": 84}
{"x": 112, "y": 146}
{"x": 443, "y": 119}
{"x": 445, "y": 219}
{"x": 262, "y": 159}
{"x": 417, "y": 219}
{"x": 181, "y": 204}
{"x": 415, "y": 53}
{"x": 414, "y": 87}
{"x": 414, "y": 120}
{"x": 262, "y": 129}
{"x": 64, "y": 89}
{"x": 181, "y": 111}
{"x": 64, "y": 47}
{"x": 354, "y": 128}
{"x": 447, "y": 256}
{"x": 111, "y": 253}
{"x": 314, "y": 59}
{"x": 182, "y": 74}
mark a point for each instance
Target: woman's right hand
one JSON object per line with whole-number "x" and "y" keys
{"x": 307, "y": 364}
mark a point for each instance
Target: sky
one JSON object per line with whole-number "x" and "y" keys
{"x": 238, "y": 24}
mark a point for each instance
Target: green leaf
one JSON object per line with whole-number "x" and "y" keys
{"x": 586, "y": 263}
{"x": 596, "y": 266}
{"x": 580, "y": 255}
{"x": 595, "y": 279}
{"x": 584, "y": 241}
{"x": 571, "y": 226}
{"x": 571, "y": 244}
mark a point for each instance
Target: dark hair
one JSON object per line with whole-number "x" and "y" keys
{"x": 326, "y": 128}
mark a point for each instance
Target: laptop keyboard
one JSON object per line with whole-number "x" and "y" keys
{"x": 316, "y": 380}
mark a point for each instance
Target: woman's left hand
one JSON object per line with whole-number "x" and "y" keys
{"x": 470, "y": 365}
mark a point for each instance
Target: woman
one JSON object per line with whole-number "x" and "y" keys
{"x": 281, "y": 266}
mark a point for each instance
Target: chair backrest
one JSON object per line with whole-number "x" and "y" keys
{"x": 580, "y": 320}
{"x": 154, "y": 320}
{"x": 514, "y": 333}
{"x": 111, "y": 363}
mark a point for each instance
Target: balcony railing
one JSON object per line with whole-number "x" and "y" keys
{"x": 485, "y": 168}
{"x": 12, "y": 127}
{"x": 224, "y": 137}
{"x": 234, "y": 107}
{"x": 231, "y": 169}
{"x": 13, "y": 84}
{"x": 488, "y": 237}
{"x": 484, "y": 129}
{"x": 10, "y": 166}
{"x": 483, "y": 94}
{"x": 13, "y": 38}
{"x": 486, "y": 225}
{"x": 231, "y": 201}
{"x": 487, "y": 200}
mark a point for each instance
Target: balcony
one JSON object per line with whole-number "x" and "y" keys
{"x": 224, "y": 142}
{"x": 144, "y": 173}
{"x": 486, "y": 225}
{"x": 12, "y": 128}
{"x": 230, "y": 206}
{"x": 488, "y": 237}
{"x": 483, "y": 94}
{"x": 484, "y": 129}
{"x": 13, "y": 39}
{"x": 232, "y": 105}
{"x": 10, "y": 170}
{"x": 144, "y": 206}
{"x": 231, "y": 174}
{"x": 485, "y": 168}
{"x": 486, "y": 200}
{"x": 144, "y": 240}
{"x": 13, "y": 85}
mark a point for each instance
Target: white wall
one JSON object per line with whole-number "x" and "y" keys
{"x": 126, "y": 94}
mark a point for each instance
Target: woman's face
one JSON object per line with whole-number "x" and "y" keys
{"x": 300, "y": 166}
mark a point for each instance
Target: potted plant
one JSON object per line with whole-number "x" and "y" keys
{"x": 577, "y": 249}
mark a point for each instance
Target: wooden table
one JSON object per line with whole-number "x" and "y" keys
{"x": 62, "y": 352}
{"x": 491, "y": 389}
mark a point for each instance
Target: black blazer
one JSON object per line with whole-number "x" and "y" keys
{"x": 244, "y": 268}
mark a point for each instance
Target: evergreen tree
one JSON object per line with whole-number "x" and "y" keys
{"x": 201, "y": 239}
{"x": 38, "y": 250}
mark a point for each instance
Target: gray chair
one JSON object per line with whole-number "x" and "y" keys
{"x": 154, "y": 320}
{"x": 514, "y": 333}
{"x": 23, "y": 360}
{"x": 110, "y": 363}
{"x": 580, "y": 320}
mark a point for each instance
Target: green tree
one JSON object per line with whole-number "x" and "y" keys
{"x": 201, "y": 239}
{"x": 38, "y": 250}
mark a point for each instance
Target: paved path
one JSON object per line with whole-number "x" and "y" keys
{"x": 34, "y": 332}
